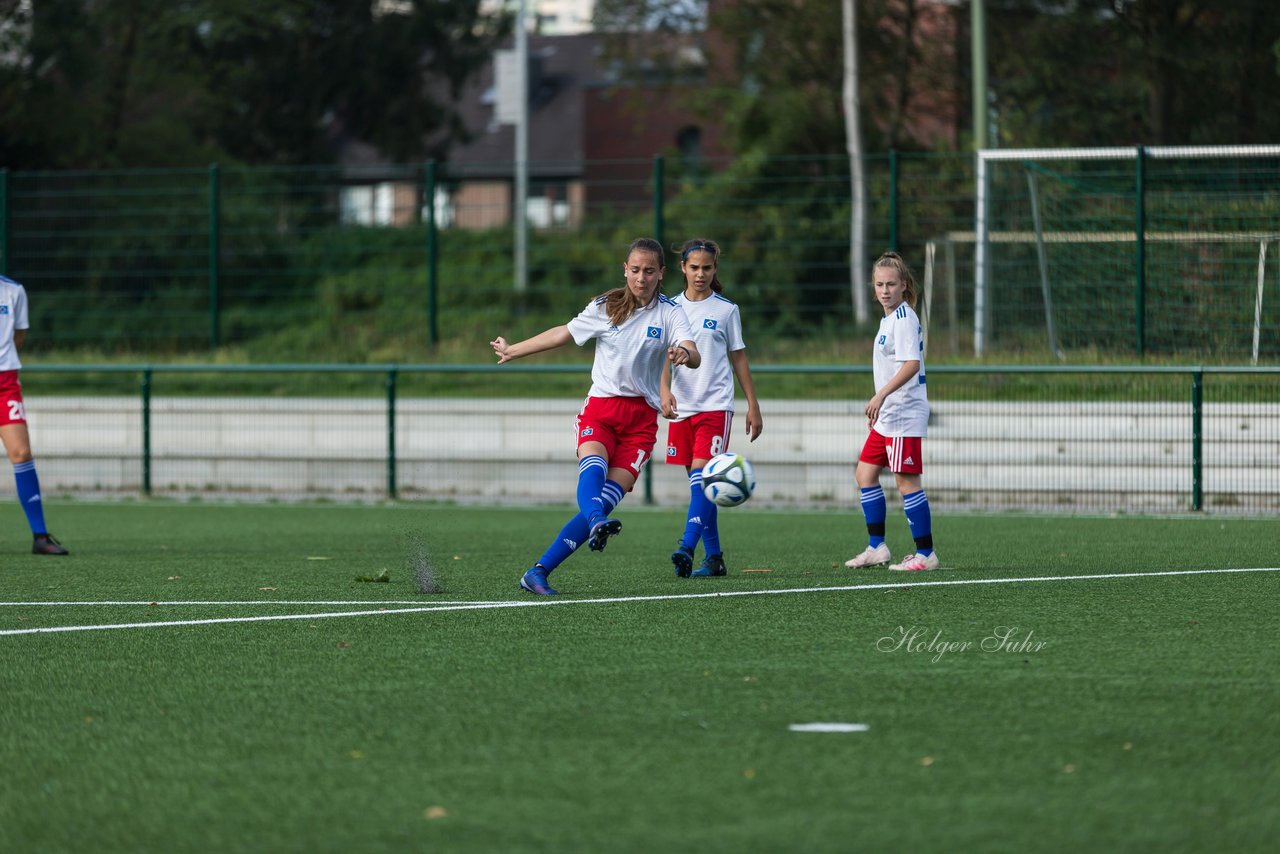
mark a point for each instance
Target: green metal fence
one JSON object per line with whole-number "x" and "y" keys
{"x": 1082, "y": 257}
{"x": 1001, "y": 437}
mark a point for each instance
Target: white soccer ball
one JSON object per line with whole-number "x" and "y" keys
{"x": 728, "y": 480}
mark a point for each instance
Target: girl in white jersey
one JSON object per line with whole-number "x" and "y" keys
{"x": 898, "y": 415}
{"x": 637, "y": 332}
{"x": 701, "y": 402}
{"x": 13, "y": 415}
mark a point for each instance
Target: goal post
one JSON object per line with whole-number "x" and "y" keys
{"x": 1124, "y": 247}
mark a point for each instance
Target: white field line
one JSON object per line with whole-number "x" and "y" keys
{"x": 828, "y": 727}
{"x": 529, "y": 603}
{"x": 176, "y": 602}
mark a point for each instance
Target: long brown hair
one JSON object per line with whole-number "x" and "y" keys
{"x": 710, "y": 246}
{"x": 620, "y": 303}
{"x": 894, "y": 260}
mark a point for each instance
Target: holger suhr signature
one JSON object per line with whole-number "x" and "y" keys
{"x": 922, "y": 639}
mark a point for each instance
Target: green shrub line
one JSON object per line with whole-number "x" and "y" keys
{"x": 287, "y": 280}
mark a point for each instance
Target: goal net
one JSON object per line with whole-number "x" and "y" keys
{"x": 1162, "y": 251}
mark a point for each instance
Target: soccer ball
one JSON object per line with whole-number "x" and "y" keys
{"x": 728, "y": 480}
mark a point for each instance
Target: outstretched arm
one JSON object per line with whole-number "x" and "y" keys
{"x": 555, "y": 337}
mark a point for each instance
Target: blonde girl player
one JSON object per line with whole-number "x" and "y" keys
{"x": 13, "y": 415}
{"x": 898, "y": 416}
{"x": 701, "y": 402}
{"x": 637, "y": 331}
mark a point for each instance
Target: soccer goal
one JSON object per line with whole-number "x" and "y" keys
{"x": 1152, "y": 249}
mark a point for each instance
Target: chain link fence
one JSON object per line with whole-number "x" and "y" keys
{"x": 1001, "y": 438}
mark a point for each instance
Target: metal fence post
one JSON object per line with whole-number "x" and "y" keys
{"x": 1197, "y": 440}
{"x": 1140, "y": 242}
{"x": 391, "y": 432}
{"x": 215, "y": 252}
{"x": 433, "y": 278}
{"x": 146, "y": 432}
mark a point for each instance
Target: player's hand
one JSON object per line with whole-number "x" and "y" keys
{"x": 499, "y": 346}
{"x": 873, "y": 410}
{"x": 677, "y": 355}
{"x": 755, "y": 424}
{"x": 668, "y": 405}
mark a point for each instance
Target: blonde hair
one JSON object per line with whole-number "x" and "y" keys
{"x": 620, "y": 303}
{"x": 894, "y": 260}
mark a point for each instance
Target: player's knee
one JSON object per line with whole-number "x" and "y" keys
{"x": 907, "y": 483}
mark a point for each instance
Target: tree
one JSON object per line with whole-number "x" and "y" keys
{"x": 290, "y": 77}
{"x": 1109, "y": 72}
{"x": 1207, "y": 68}
{"x": 156, "y": 82}
{"x": 772, "y": 69}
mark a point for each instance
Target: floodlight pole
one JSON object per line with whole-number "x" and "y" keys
{"x": 520, "y": 203}
{"x": 978, "y": 42}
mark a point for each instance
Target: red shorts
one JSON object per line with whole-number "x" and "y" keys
{"x": 626, "y": 426}
{"x": 901, "y": 454}
{"x": 698, "y": 437}
{"x": 12, "y": 410}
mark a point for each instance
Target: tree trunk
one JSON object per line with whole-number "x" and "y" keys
{"x": 857, "y": 182}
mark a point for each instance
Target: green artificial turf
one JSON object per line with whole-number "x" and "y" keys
{"x": 1132, "y": 713}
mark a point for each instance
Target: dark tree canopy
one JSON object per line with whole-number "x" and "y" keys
{"x": 1115, "y": 72}
{"x": 87, "y": 84}
{"x": 158, "y": 82}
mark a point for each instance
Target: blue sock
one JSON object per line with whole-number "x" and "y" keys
{"x": 24, "y": 474}
{"x": 575, "y": 531}
{"x": 591, "y": 473}
{"x": 710, "y": 513}
{"x": 696, "y": 518}
{"x": 613, "y": 493}
{"x": 873, "y": 508}
{"x": 917, "y": 507}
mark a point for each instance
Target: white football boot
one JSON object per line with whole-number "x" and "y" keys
{"x": 871, "y": 557}
{"x": 916, "y": 563}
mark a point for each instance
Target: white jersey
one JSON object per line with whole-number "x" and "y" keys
{"x": 629, "y": 357}
{"x": 901, "y": 339}
{"x": 13, "y": 317}
{"x": 717, "y": 330}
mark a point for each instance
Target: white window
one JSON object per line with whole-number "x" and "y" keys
{"x": 444, "y": 208}
{"x": 547, "y": 209}
{"x": 368, "y": 204}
